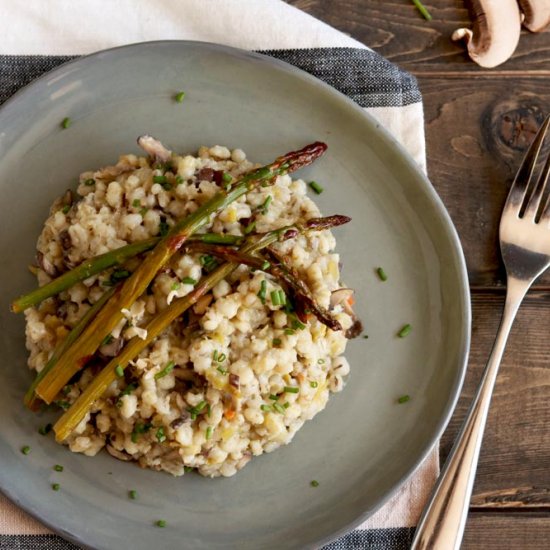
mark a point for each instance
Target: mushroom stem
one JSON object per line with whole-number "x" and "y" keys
{"x": 536, "y": 14}
{"x": 497, "y": 25}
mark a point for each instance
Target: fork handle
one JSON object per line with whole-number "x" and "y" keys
{"x": 442, "y": 524}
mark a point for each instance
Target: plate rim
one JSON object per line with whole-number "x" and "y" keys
{"x": 389, "y": 142}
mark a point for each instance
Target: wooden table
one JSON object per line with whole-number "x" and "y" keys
{"x": 478, "y": 124}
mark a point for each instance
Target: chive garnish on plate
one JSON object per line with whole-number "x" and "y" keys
{"x": 404, "y": 331}
{"x": 316, "y": 187}
{"x": 381, "y": 274}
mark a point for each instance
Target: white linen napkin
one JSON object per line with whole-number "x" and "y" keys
{"x": 37, "y": 36}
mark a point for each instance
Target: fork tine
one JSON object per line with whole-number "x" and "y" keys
{"x": 519, "y": 188}
{"x": 538, "y": 192}
{"x": 545, "y": 216}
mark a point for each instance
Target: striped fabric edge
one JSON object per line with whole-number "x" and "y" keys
{"x": 398, "y": 538}
{"x": 361, "y": 74}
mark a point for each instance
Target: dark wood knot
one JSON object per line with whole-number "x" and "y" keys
{"x": 517, "y": 127}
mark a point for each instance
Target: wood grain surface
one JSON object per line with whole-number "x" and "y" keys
{"x": 478, "y": 124}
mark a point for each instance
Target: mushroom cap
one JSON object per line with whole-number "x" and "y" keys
{"x": 495, "y": 36}
{"x": 537, "y": 14}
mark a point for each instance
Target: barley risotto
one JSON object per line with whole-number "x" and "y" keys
{"x": 239, "y": 373}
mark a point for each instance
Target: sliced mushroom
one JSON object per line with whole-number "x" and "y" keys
{"x": 111, "y": 172}
{"x": 341, "y": 297}
{"x": 154, "y": 148}
{"x": 112, "y": 348}
{"x": 121, "y": 455}
{"x": 497, "y": 25}
{"x": 46, "y": 265}
{"x": 536, "y": 14}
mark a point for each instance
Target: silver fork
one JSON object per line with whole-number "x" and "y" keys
{"x": 525, "y": 249}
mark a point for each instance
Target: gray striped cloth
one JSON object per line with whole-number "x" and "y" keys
{"x": 36, "y": 44}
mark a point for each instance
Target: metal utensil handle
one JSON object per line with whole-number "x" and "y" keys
{"x": 442, "y": 524}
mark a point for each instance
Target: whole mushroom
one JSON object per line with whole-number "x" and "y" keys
{"x": 536, "y": 14}
{"x": 497, "y": 26}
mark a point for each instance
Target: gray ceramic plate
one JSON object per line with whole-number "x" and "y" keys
{"x": 364, "y": 445}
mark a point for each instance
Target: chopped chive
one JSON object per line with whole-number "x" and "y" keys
{"x": 276, "y": 341}
{"x": 159, "y": 179}
{"x": 67, "y": 389}
{"x": 286, "y": 405}
{"x": 297, "y": 324}
{"x": 249, "y": 228}
{"x": 262, "y": 291}
{"x": 205, "y": 260}
{"x": 132, "y": 494}
{"x": 222, "y": 357}
{"x": 273, "y": 397}
{"x": 279, "y": 408}
{"x": 320, "y": 361}
{"x": 266, "y": 204}
{"x": 161, "y": 523}
{"x": 163, "y": 229}
{"x": 45, "y": 430}
{"x": 189, "y": 281}
{"x": 265, "y": 408}
{"x": 128, "y": 390}
{"x": 89, "y": 182}
{"x": 193, "y": 415}
{"x": 366, "y": 336}
{"x": 265, "y": 265}
{"x": 118, "y": 276}
{"x": 136, "y": 203}
{"x": 66, "y": 208}
{"x": 282, "y": 297}
{"x": 221, "y": 370}
{"x": 139, "y": 429}
{"x": 119, "y": 371}
{"x": 422, "y": 9}
{"x": 291, "y": 389}
{"x": 179, "y": 97}
{"x": 58, "y": 468}
{"x": 179, "y": 180}
{"x": 381, "y": 274}
{"x": 226, "y": 177}
{"x": 404, "y": 331}
{"x": 175, "y": 286}
{"x": 209, "y": 432}
{"x": 314, "y": 384}
{"x": 215, "y": 355}
{"x": 66, "y": 122}
{"x": 166, "y": 186}
{"x": 404, "y": 399}
{"x": 289, "y": 331}
{"x": 314, "y": 483}
{"x": 316, "y": 187}
{"x": 160, "y": 435}
{"x": 275, "y": 298}
{"x": 188, "y": 469}
{"x": 200, "y": 406}
{"x": 166, "y": 370}
{"x": 25, "y": 450}
{"x": 56, "y": 486}
{"x": 143, "y": 211}
{"x": 62, "y": 404}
